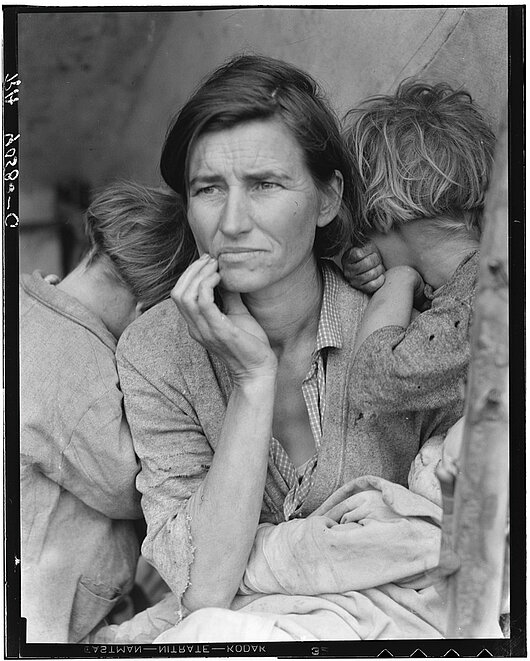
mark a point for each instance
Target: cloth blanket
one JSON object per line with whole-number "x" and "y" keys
{"x": 362, "y": 566}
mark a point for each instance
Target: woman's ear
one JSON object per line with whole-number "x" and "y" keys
{"x": 330, "y": 199}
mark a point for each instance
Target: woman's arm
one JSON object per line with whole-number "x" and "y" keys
{"x": 202, "y": 509}
{"x": 225, "y": 511}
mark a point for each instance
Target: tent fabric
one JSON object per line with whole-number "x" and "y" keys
{"x": 114, "y": 80}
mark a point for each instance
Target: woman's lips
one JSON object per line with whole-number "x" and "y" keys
{"x": 238, "y": 254}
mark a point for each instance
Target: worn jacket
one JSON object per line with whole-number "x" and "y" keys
{"x": 175, "y": 399}
{"x": 78, "y": 468}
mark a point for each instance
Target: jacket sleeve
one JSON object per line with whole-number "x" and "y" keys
{"x": 98, "y": 464}
{"x": 420, "y": 368}
{"x": 175, "y": 456}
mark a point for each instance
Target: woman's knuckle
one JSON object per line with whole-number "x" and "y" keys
{"x": 188, "y": 298}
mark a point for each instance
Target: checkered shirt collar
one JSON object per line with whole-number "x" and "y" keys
{"x": 329, "y": 333}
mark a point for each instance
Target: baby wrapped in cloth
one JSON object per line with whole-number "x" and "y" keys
{"x": 361, "y": 567}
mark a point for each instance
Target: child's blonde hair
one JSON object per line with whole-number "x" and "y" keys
{"x": 142, "y": 235}
{"x": 424, "y": 152}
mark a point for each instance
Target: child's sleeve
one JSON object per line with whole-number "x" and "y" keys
{"x": 418, "y": 368}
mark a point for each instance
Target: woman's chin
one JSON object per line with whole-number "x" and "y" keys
{"x": 238, "y": 286}
{"x": 241, "y": 280}
{"x": 242, "y": 285}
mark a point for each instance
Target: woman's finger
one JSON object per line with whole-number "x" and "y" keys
{"x": 205, "y": 290}
{"x": 186, "y": 295}
{"x": 202, "y": 312}
{"x": 221, "y": 324}
{"x": 189, "y": 275}
{"x": 186, "y": 292}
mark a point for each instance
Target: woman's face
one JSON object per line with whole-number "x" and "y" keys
{"x": 253, "y": 204}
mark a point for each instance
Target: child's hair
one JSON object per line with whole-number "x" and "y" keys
{"x": 142, "y": 236}
{"x": 424, "y": 152}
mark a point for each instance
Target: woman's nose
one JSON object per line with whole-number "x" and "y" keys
{"x": 235, "y": 216}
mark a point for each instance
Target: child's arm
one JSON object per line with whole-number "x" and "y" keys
{"x": 392, "y": 303}
{"x": 421, "y": 361}
{"x": 422, "y": 367}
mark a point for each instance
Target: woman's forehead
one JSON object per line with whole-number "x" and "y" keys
{"x": 250, "y": 146}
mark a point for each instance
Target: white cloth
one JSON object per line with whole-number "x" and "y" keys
{"x": 361, "y": 567}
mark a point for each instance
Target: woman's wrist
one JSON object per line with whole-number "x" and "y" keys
{"x": 258, "y": 381}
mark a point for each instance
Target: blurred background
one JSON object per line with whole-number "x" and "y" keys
{"x": 99, "y": 88}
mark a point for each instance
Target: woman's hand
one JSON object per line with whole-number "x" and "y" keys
{"x": 224, "y": 512}
{"x": 363, "y": 268}
{"x": 235, "y": 336}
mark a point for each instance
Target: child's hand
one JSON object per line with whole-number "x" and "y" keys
{"x": 363, "y": 268}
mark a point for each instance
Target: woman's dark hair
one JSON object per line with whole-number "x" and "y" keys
{"x": 251, "y": 87}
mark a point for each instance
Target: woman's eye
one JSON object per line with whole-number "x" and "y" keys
{"x": 206, "y": 190}
{"x": 267, "y": 185}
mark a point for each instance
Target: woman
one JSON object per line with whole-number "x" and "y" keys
{"x": 253, "y": 419}
{"x": 78, "y": 467}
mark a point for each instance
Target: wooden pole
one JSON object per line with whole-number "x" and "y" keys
{"x": 482, "y": 485}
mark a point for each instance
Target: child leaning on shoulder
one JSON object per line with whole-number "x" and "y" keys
{"x": 423, "y": 157}
{"x": 78, "y": 467}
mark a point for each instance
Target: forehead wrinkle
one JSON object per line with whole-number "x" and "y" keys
{"x": 245, "y": 155}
